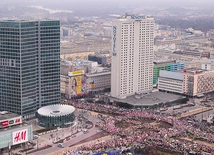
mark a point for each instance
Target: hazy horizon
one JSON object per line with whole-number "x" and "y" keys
{"x": 66, "y": 4}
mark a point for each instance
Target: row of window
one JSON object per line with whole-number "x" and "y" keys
{"x": 7, "y": 62}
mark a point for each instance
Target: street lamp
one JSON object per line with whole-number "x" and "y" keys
{"x": 26, "y": 147}
{"x": 9, "y": 148}
{"x": 37, "y": 145}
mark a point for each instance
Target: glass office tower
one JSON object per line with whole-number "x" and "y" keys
{"x": 29, "y": 65}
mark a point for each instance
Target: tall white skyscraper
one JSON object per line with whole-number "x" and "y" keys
{"x": 132, "y": 55}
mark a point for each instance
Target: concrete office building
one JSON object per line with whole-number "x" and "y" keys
{"x": 30, "y": 65}
{"x": 171, "y": 81}
{"x": 191, "y": 81}
{"x": 100, "y": 59}
{"x": 132, "y": 55}
{"x": 99, "y": 82}
{"x": 197, "y": 82}
{"x": 208, "y": 65}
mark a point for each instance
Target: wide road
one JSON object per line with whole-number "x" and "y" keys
{"x": 80, "y": 136}
{"x": 195, "y": 111}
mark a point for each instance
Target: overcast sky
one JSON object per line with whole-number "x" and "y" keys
{"x": 72, "y": 4}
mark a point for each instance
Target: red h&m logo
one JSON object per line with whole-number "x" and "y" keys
{"x": 18, "y": 120}
{"x": 20, "y": 137}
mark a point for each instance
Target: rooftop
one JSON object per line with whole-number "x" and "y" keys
{"x": 150, "y": 99}
{"x": 56, "y": 110}
{"x": 7, "y": 115}
{"x": 163, "y": 61}
{"x": 194, "y": 70}
{"x": 22, "y": 21}
{"x": 135, "y": 17}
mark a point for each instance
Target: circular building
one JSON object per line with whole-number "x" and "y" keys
{"x": 58, "y": 115}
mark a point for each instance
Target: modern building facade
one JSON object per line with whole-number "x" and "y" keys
{"x": 99, "y": 82}
{"x": 13, "y": 130}
{"x": 73, "y": 84}
{"x": 53, "y": 116}
{"x": 197, "y": 81}
{"x": 132, "y": 55}
{"x": 171, "y": 81}
{"x": 168, "y": 65}
{"x": 30, "y": 65}
{"x": 208, "y": 65}
{"x": 92, "y": 83}
{"x": 191, "y": 82}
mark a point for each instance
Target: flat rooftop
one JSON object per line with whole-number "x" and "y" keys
{"x": 150, "y": 99}
{"x": 7, "y": 115}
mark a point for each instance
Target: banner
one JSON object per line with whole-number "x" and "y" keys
{"x": 20, "y": 136}
{"x": 78, "y": 85}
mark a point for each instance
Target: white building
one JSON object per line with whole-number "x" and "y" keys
{"x": 170, "y": 81}
{"x": 208, "y": 65}
{"x": 132, "y": 55}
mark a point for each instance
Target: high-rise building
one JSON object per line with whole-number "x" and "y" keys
{"x": 132, "y": 55}
{"x": 29, "y": 65}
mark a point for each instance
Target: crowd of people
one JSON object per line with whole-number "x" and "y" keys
{"x": 144, "y": 127}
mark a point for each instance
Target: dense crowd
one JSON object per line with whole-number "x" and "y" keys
{"x": 129, "y": 126}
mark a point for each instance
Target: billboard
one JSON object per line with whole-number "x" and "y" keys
{"x": 78, "y": 85}
{"x": 11, "y": 122}
{"x": 92, "y": 84}
{"x": 78, "y": 72}
{"x": 20, "y": 136}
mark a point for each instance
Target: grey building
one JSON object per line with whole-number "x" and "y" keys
{"x": 29, "y": 65}
{"x": 98, "y": 58}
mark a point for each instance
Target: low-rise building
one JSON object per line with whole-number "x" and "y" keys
{"x": 208, "y": 65}
{"x": 100, "y": 59}
{"x": 81, "y": 77}
{"x": 191, "y": 82}
{"x": 165, "y": 64}
{"x": 170, "y": 81}
{"x": 13, "y": 131}
{"x": 99, "y": 82}
{"x": 73, "y": 84}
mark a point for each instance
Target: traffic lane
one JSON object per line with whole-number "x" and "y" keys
{"x": 78, "y": 138}
{"x": 170, "y": 109}
{"x": 204, "y": 114}
{"x": 46, "y": 138}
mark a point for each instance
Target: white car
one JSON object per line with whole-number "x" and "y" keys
{"x": 60, "y": 145}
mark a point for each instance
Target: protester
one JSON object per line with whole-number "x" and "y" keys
{"x": 139, "y": 131}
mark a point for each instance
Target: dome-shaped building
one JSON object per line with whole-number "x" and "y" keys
{"x": 58, "y": 115}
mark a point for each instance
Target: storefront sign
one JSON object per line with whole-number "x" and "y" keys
{"x": 4, "y": 123}
{"x": 10, "y": 122}
{"x": 20, "y": 136}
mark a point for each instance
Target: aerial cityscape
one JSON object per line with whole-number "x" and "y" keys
{"x": 112, "y": 77}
